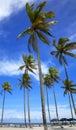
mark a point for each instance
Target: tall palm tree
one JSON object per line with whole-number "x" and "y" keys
{"x": 47, "y": 83}
{"x": 6, "y": 87}
{"x": 29, "y": 65}
{"x": 25, "y": 83}
{"x": 69, "y": 88}
{"x": 54, "y": 75}
{"x": 39, "y": 28}
{"x": 63, "y": 48}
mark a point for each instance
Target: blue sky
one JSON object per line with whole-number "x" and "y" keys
{"x": 13, "y": 20}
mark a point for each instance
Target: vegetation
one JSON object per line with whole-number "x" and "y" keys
{"x": 6, "y": 87}
{"x": 40, "y": 28}
{"x": 29, "y": 65}
{"x": 62, "y": 49}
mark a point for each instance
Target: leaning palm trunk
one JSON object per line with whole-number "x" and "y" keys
{"x": 24, "y": 108}
{"x": 41, "y": 90}
{"x": 70, "y": 105}
{"x": 73, "y": 103}
{"x": 70, "y": 92}
{"x": 48, "y": 105}
{"x": 55, "y": 104}
{"x": 3, "y": 108}
{"x": 29, "y": 108}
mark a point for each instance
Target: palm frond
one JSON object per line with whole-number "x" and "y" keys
{"x": 48, "y": 15}
{"x": 43, "y": 38}
{"x": 47, "y": 24}
{"x": 21, "y": 67}
{"x": 41, "y": 6}
{"x": 30, "y": 11}
{"x": 70, "y": 54}
{"x": 63, "y": 40}
{"x": 32, "y": 43}
{"x": 70, "y": 46}
{"x": 27, "y": 31}
{"x": 53, "y": 52}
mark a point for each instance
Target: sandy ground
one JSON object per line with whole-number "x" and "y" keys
{"x": 40, "y": 128}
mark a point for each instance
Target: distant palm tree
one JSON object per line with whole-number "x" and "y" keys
{"x": 69, "y": 88}
{"x": 29, "y": 65}
{"x": 54, "y": 75}
{"x": 47, "y": 83}
{"x": 40, "y": 27}
{"x": 25, "y": 83}
{"x": 63, "y": 48}
{"x": 6, "y": 87}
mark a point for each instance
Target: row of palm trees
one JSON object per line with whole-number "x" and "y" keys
{"x": 29, "y": 65}
{"x": 41, "y": 21}
{"x": 49, "y": 80}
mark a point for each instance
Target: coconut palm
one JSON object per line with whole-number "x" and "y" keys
{"x": 40, "y": 27}
{"x": 54, "y": 76}
{"x": 69, "y": 88}
{"x": 25, "y": 83}
{"x": 63, "y": 48}
{"x": 47, "y": 83}
{"x": 29, "y": 63}
{"x": 6, "y": 87}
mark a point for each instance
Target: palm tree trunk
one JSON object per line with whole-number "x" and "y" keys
{"x": 70, "y": 106}
{"x": 29, "y": 108}
{"x": 48, "y": 105}
{"x": 73, "y": 102}
{"x": 3, "y": 108}
{"x": 24, "y": 108}
{"x": 41, "y": 90}
{"x": 55, "y": 103}
{"x": 65, "y": 71}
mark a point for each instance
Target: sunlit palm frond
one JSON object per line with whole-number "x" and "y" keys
{"x": 48, "y": 15}
{"x": 62, "y": 41}
{"x": 26, "y": 31}
{"x": 70, "y": 46}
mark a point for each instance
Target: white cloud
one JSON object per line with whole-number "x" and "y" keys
{"x": 10, "y": 6}
{"x": 73, "y": 37}
{"x": 10, "y": 68}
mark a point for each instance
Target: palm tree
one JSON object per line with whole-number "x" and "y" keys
{"x": 6, "y": 87}
{"x": 25, "y": 83}
{"x": 62, "y": 49}
{"x": 39, "y": 28}
{"x": 54, "y": 76}
{"x": 47, "y": 83}
{"x": 29, "y": 65}
{"x": 69, "y": 88}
